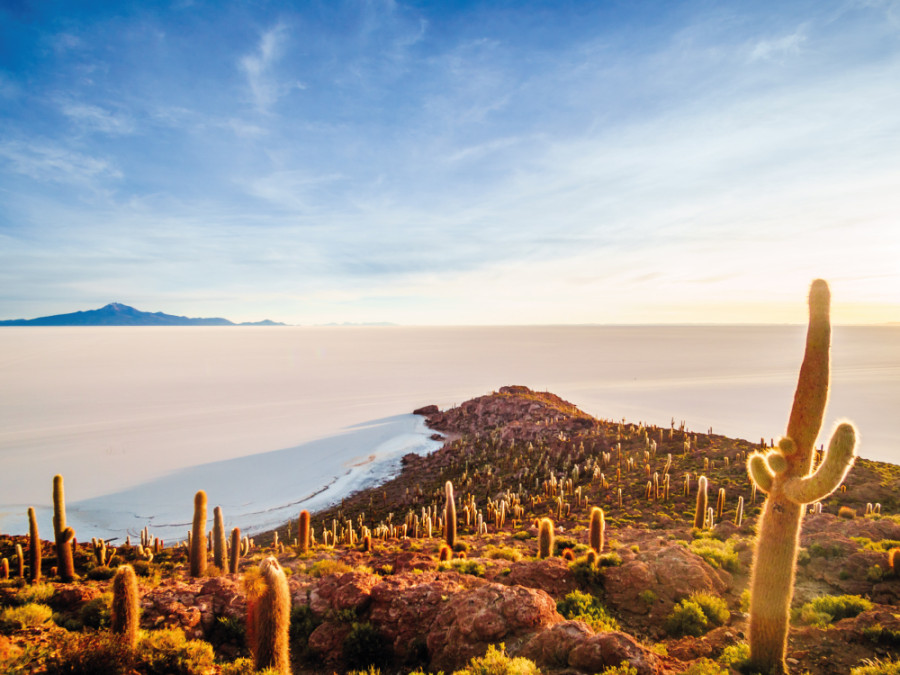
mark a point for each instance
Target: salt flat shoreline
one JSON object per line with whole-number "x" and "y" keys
{"x": 257, "y": 492}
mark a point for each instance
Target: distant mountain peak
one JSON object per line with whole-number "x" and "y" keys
{"x": 118, "y": 314}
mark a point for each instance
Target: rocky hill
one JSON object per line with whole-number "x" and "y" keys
{"x": 373, "y": 590}
{"x": 117, "y": 314}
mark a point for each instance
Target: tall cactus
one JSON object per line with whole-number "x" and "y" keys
{"x": 234, "y": 562}
{"x": 268, "y": 619}
{"x": 303, "y": 532}
{"x": 545, "y": 538}
{"x": 198, "y": 536}
{"x": 449, "y": 516}
{"x": 34, "y": 547}
{"x": 784, "y": 473}
{"x": 702, "y": 500}
{"x": 597, "y": 529}
{"x": 62, "y": 535}
{"x": 218, "y": 538}
{"x": 125, "y": 607}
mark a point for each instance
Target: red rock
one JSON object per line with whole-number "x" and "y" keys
{"x": 472, "y": 620}
{"x": 338, "y": 592}
{"x": 672, "y": 573}
{"x": 603, "y": 650}
{"x": 70, "y": 597}
{"x": 551, "y": 575}
{"x": 327, "y": 641}
{"x": 551, "y": 647}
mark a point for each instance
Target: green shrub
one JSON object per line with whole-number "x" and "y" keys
{"x": 168, "y": 652}
{"x": 687, "y": 618}
{"x": 715, "y": 609}
{"x": 99, "y": 573}
{"x": 496, "y": 662}
{"x": 586, "y": 574}
{"x": 323, "y": 568}
{"x": 26, "y": 616}
{"x": 874, "y": 574}
{"x": 364, "y": 646}
{"x": 578, "y": 606}
{"x": 877, "y": 667}
{"x": 717, "y": 553}
{"x": 734, "y": 655}
{"x": 245, "y": 667}
{"x": 303, "y": 623}
{"x": 465, "y": 566}
{"x": 96, "y": 613}
{"x": 621, "y": 669}
{"x": 33, "y": 593}
{"x": 705, "y": 667}
{"x": 502, "y": 553}
{"x": 827, "y": 609}
{"x": 90, "y": 654}
{"x": 882, "y": 636}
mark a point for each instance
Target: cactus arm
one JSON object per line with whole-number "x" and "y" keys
{"x": 811, "y": 394}
{"x": 838, "y": 460}
{"x": 759, "y": 472}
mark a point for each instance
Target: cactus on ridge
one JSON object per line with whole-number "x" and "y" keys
{"x": 34, "y": 547}
{"x": 597, "y": 529}
{"x": 545, "y": 538}
{"x": 218, "y": 538}
{"x": 125, "y": 607}
{"x": 198, "y": 536}
{"x": 303, "y": 532}
{"x": 268, "y": 619}
{"x": 62, "y": 535}
{"x": 700, "y": 513}
{"x": 234, "y": 559}
{"x": 449, "y": 516}
{"x": 785, "y": 474}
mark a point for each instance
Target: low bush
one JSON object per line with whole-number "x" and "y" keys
{"x": 96, "y": 613}
{"x": 496, "y": 662}
{"x": 25, "y": 616}
{"x": 717, "y": 553}
{"x": 827, "y": 609}
{"x": 322, "y": 568}
{"x": 578, "y": 606}
{"x": 705, "y": 666}
{"x": 687, "y": 618}
{"x": 715, "y": 609}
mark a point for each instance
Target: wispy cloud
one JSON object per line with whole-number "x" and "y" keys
{"x": 780, "y": 47}
{"x": 49, "y": 162}
{"x": 94, "y": 118}
{"x": 265, "y": 86}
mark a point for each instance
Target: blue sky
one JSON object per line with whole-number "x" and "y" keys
{"x": 451, "y": 163}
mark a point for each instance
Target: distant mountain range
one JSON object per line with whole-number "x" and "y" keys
{"x": 116, "y": 314}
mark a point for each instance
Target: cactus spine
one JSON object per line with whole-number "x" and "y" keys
{"x": 34, "y": 548}
{"x": 545, "y": 538}
{"x": 198, "y": 536}
{"x": 303, "y": 532}
{"x": 218, "y": 538}
{"x": 268, "y": 619}
{"x": 598, "y": 529}
{"x": 785, "y": 475}
{"x": 125, "y": 607}
{"x": 450, "y": 516}
{"x": 62, "y": 535}
{"x": 700, "y": 513}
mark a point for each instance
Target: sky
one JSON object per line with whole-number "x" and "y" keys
{"x": 515, "y": 162}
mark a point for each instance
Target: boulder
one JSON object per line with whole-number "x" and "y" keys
{"x": 551, "y": 575}
{"x": 472, "y": 620}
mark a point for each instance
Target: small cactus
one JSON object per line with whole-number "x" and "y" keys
{"x": 234, "y": 560}
{"x": 700, "y": 513}
{"x": 62, "y": 535}
{"x": 445, "y": 553}
{"x": 20, "y": 562}
{"x": 268, "y": 619}
{"x": 449, "y": 516}
{"x": 303, "y": 532}
{"x": 34, "y": 548}
{"x": 218, "y": 538}
{"x": 597, "y": 530}
{"x": 545, "y": 538}
{"x": 125, "y": 606}
{"x": 198, "y": 536}
{"x": 4, "y": 569}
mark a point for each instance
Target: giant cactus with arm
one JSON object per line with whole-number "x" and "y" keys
{"x": 785, "y": 474}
